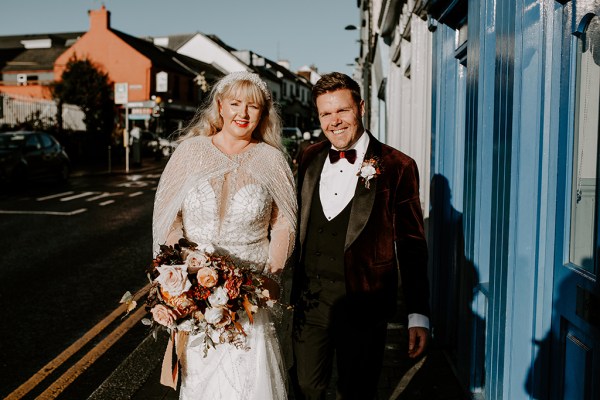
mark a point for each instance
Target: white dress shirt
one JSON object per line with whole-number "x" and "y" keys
{"x": 338, "y": 181}
{"x": 336, "y": 190}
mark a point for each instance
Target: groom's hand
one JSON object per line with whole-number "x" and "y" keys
{"x": 418, "y": 337}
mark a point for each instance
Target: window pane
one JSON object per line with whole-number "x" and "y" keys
{"x": 585, "y": 154}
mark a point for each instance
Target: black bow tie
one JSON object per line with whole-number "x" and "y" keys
{"x": 334, "y": 155}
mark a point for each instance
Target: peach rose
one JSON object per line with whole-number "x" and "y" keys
{"x": 207, "y": 277}
{"x": 194, "y": 261}
{"x": 173, "y": 279}
{"x": 163, "y": 315}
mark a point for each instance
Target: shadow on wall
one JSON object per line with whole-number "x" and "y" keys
{"x": 553, "y": 355}
{"x": 456, "y": 327}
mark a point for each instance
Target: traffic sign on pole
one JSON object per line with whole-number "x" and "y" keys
{"x": 121, "y": 93}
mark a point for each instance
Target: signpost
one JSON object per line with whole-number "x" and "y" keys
{"x": 162, "y": 82}
{"x": 122, "y": 97}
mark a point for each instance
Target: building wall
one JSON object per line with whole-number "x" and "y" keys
{"x": 508, "y": 303}
{"x": 204, "y": 49}
{"x": 33, "y": 91}
{"x": 402, "y": 71}
{"x": 112, "y": 55}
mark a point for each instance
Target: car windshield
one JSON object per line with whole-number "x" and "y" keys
{"x": 289, "y": 132}
{"x": 13, "y": 141}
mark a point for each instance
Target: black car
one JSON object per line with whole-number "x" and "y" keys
{"x": 32, "y": 154}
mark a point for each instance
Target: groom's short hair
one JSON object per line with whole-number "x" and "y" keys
{"x": 336, "y": 81}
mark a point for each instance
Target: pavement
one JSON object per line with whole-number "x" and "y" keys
{"x": 138, "y": 377}
{"x": 429, "y": 378}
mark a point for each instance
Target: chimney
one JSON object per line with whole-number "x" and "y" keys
{"x": 99, "y": 19}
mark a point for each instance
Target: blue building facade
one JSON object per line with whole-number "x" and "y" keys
{"x": 513, "y": 186}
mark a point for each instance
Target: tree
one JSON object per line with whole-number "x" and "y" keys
{"x": 85, "y": 85}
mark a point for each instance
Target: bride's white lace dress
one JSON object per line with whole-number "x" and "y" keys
{"x": 242, "y": 206}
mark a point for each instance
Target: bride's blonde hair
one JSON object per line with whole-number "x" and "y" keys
{"x": 238, "y": 85}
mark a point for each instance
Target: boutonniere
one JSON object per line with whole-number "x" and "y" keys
{"x": 369, "y": 169}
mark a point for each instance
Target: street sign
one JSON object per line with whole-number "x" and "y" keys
{"x": 142, "y": 104}
{"x": 121, "y": 93}
{"x": 162, "y": 82}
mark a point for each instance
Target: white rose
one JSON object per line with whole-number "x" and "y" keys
{"x": 173, "y": 279}
{"x": 219, "y": 297}
{"x": 213, "y": 315}
{"x": 186, "y": 325}
{"x": 367, "y": 171}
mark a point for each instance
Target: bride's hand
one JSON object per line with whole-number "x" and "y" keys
{"x": 272, "y": 286}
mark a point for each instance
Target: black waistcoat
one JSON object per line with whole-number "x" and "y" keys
{"x": 325, "y": 240}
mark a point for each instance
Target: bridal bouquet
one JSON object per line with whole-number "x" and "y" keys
{"x": 205, "y": 294}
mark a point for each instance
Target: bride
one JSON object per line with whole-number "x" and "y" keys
{"x": 229, "y": 188}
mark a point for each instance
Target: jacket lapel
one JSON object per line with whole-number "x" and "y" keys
{"x": 364, "y": 198}
{"x": 312, "y": 177}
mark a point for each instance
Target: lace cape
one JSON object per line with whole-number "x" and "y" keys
{"x": 197, "y": 158}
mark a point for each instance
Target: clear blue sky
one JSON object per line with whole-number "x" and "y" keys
{"x": 303, "y": 32}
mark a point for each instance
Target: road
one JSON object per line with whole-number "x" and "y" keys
{"x": 67, "y": 255}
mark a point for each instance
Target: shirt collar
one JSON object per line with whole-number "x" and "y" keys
{"x": 361, "y": 145}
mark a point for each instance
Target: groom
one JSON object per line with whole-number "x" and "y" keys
{"x": 355, "y": 233}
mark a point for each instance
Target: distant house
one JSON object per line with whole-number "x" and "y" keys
{"x": 211, "y": 49}
{"x": 207, "y": 48}
{"x": 161, "y": 82}
{"x": 27, "y": 62}
{"x": 164, "y": 87}
{"x": 290, "y": 90}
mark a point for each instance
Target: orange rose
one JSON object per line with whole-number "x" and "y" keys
{"x": 182, "y": 304}
{"x": 207, "y": 277}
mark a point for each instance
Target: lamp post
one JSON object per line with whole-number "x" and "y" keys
{"x": 352, "y": 27}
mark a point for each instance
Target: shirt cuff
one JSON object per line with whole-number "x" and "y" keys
{"x": 418, "y": 320}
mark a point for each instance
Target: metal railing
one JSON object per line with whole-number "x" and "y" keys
{"x": 19, "y": 109}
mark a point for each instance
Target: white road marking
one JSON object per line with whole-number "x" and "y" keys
{"x": 405, "y": 380}
{"x": 53, "y": 196}
{"x": 136, "y": 194}
{"x": 78, "y": 196}
{"x": 107, "y": 202}
{"x": 103, "y": 195}
{"x": 67, "y": 213}
{"x": 133, "y": 184}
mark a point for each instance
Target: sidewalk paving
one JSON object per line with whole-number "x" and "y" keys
{"x": 138, "y": 377}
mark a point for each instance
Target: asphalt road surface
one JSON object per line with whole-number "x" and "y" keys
{"x": 68, "y": 253}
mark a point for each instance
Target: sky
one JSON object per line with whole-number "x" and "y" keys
{"x": 303, "y": 32}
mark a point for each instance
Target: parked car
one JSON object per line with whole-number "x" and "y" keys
{"x": 290, "y": 138}
{"x": 292, "y": 132}
{"x": 156, "y": 146}
{"x": 32, "y": 154}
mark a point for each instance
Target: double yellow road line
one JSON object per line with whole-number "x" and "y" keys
{"x": 58, "y": 386}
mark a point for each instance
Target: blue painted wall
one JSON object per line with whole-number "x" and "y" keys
{"x": 500, "y": 168}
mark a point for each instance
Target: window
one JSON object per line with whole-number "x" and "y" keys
{"x": 584, "y": 187}
{"x": 46, "y": 141}
{"x": 32, "y": 142}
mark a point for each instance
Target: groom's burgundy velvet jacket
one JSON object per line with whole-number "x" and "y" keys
{"x": 385, "y": 232}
